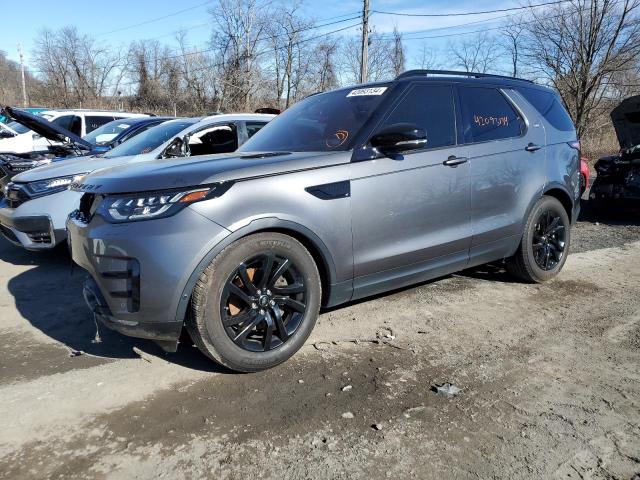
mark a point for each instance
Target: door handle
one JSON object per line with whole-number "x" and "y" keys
{"x": 532, "y": 147}
{"x": 454, "y": 161}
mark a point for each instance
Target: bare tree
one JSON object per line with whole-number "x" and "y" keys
{"x": 381, "y": 67}
{"x": 511, "y": 40}
{"x": 580, "y": 47}
{"x": 427, "y": 57}
{"x": 239, "y": 27}
{"x": 74, "y": 68}
{"x": 475, "y": 54}
{"x": 397, "y": 59}
{"x": 10, "y": 85}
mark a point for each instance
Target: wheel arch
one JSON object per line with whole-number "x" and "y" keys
{"x": 312, "y": 242}
{"x": 563, "y": 196}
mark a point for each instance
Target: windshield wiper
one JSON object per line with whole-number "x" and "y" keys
{"x": 265, "y": 154}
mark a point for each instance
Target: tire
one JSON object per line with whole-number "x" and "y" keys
{"x": 526, "y": 263}
{"x": 230, "y": 289}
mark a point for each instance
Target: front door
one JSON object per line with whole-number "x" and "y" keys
{"x": 411, "y": 213}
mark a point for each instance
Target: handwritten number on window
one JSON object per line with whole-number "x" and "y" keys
{"x": 486, "y": 121}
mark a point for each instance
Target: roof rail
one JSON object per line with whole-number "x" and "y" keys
{"x": 413, "y": 73}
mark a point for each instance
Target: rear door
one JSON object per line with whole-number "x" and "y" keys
{"x": 411, "y": 213}
{"x": 507, "y": 158}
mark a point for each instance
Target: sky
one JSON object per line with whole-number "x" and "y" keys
{"x": 116, "y": 22}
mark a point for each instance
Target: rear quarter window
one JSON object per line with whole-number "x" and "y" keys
{"x": 550, "y": 107}
{"x": 487, "y": 115}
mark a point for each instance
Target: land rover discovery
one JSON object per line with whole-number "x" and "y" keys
{"x": 346, "y": 194}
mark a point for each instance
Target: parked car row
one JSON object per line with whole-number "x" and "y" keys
{"x": 346, "y": 194}
{"x": 38, "y": 201}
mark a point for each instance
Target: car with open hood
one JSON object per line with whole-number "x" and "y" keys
{"x": 37, "y": 202}
{"x": 346, "y": 194}
{"x": 26, "y": 140}
{"x": 67, "y": 145}
{"x": 618, "y": 176}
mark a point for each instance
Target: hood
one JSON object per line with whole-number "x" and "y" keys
{"x": 43, "y": 127}
{"x": 181, "y": 172}
{"x": 626, "y": 121}
{"x": 74, "y": 166}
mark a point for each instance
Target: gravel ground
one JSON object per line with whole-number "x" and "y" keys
{"x": 549, "y": 374}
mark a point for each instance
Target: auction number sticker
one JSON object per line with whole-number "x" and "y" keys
{"x": 361, "y": 92}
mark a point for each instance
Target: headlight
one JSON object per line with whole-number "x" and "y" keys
{"x": 52, "y": 185}
{"x": 147, "y": 206}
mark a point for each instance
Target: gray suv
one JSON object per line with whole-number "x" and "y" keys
{"x": 346, "y": 194}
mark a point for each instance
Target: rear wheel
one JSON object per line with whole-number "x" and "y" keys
{"x": 545, "y": 243}
{"x": 256, "y": 303}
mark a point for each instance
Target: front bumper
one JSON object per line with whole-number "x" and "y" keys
{"x": 138, "y": 271}
{"x": 39, "y": 223}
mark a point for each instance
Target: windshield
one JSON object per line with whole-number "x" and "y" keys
{"x": 321, "y": 123}
{"x": 17, "y": 127}
{"x": 107, "y": 132}
{"x": 151, "y": 139}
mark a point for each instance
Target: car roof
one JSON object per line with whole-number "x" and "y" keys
{"x": 54, "y": 111}
{"x": 239, "y": 116}
{"x": 449, "y": 76}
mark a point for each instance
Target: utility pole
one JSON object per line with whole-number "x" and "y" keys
{"x": 364, "y": 60}
{"x": 24, "y": 85}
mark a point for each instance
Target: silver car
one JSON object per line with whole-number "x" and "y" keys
{"x": 346, "y": 194}
{"x": 38, "y": 202}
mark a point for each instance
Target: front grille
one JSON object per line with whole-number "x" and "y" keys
{"x": 40, "y": 237}
{"x": 8, "y": 233}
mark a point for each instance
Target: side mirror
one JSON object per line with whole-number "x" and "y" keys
{"x": 399, "y": 137}
{"x": 175, "y": 149}
{"x": 6, "y": 134}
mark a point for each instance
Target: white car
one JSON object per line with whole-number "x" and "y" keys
{"x": 80, "y": 122}
{"x": 38, "y": 202}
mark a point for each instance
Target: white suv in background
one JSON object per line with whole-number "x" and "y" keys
{"x": 79, "y": 122}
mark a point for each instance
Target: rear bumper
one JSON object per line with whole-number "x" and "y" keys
{"x": 139, "y": 270}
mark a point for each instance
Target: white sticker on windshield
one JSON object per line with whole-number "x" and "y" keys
{"x": 366, "y": 91}
{"x": 123, "y": 126}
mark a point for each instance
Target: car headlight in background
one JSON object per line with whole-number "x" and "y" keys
{"x": 151, "y": 205}
{"x": 52, "y": 185}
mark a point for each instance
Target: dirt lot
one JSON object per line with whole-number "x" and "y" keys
{"x": 550, "y": 379}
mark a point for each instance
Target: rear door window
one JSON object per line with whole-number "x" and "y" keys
{"x": 488, "y": 115}
{"x": 73, "y": 123}
{"x": 95, "y": 121}
{"x": 549, "y": 106}
{"x": 429, "y": 107}
{"x": 253, "y": 128}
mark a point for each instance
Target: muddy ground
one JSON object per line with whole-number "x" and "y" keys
{"x": 550, "y": 381}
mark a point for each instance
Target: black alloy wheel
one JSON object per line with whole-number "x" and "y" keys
{"x": 548, "y": 243}
{"x": 263, "y": 302}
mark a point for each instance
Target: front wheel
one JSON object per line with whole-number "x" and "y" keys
{"x": 545, "y": 243}
{"x": 256, "y": 303}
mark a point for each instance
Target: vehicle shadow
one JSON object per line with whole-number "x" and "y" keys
{"x": 49, "y": 296}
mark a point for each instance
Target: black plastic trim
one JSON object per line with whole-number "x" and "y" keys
{"x": 331, "y": 191}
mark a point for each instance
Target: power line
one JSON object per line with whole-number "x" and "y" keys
{"x": 460, "y": 14}
{"x": 153, "y": 20}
